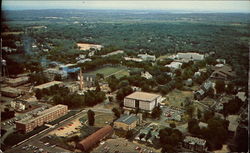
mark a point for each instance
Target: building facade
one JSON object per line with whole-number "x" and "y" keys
{"x": 194, "y": 144}
{"x": 28, "y": 124}
{"x": 142, "y": 100}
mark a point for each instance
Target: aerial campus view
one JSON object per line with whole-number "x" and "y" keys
{"x": 124, "y": 76}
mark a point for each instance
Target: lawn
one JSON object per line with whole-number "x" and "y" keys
{"x": 101, "y": 118}
{"x": 176, "y": 97}
{"x": 108, "y": 71}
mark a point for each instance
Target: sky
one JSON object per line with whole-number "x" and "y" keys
{"x": 192, "y": 6}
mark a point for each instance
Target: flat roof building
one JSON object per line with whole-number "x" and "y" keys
{"x": 126, "y": 122}
{"x": 10, "y": 92}
{"x": 142, "y": 100}
{"x": 48, "y": 85}
{"x": 17, "y": 81}
{"x": 31, "y": 122}
{"x": 190, "y": 56}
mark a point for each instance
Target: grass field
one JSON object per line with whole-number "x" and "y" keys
{"x": 176, "y": 97}
{"x": 108, "y": 71}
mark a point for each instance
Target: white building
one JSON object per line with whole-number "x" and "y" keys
{"x": 84, "y": 60}
{"x": 190, "y": 56}
{"x": 146, "y": 75}
{"x": 174, "y": 65}
{"x": 146, "y": 57}
{"x": 142, "y": 100}
{"x": 133, "y": 59}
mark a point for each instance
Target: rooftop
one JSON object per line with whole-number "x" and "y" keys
{"x": 127, "y": 119}
{"x": 138, "y": 95}
{"x": 10, "y": 90}
{"x": 193, "y": 140}
{"x": 16, "y": 80}
{"x": 41, "y": 114}
{"x": 47, "y": 85}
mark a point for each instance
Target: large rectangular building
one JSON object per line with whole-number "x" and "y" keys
{"x": 17, "y": 81}
{"x": 28, "y": 124}
{"x": 142, "y": 100}
{"x": 126, "y": 122}
{"x": 48, "y": 85}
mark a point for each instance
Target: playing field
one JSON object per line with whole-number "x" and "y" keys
{"x": 109, "y": 71}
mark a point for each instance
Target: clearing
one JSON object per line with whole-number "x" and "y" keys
{"x": 109, "y": 71}
{"x": 86, "y": 46}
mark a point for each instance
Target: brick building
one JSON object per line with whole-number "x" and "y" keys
{"x": 28, "y": 124}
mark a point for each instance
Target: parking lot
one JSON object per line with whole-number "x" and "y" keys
{"x": 122, "y": 145}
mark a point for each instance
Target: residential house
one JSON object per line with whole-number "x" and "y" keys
{"x": 194, "y": 144}
{"x": 202, "y": 92}
{"x": 147, "y": 57}
{"x": 174, "y": 65}
{"x": 223, "y": 73}
{"x": 133, "y": 59}
{"x": 146, "y": 75}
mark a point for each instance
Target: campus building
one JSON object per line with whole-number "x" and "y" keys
{"x": 28, "y": 124}
{"x": 48, "y": 85}
{"x": 10, "y": 92}
{"x": 142, "y": 100}
{"x": 126, "y": 122}
{"x": 89, "y": 142}
{"x": 17, "y": 81}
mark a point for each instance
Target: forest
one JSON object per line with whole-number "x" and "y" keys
{"x": 154, "y": 32}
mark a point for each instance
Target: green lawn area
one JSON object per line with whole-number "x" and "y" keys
{"x": 176, "y": 97}
{"x": 108, "y": 71}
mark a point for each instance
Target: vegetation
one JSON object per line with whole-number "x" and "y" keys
{"x": 91, "y": 117}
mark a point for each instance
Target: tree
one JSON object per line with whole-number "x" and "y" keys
{"x": 149, "y": 135}
{"x": 110, "y": 99}
{"x": 39, "y": 94}
{"x": 172, "y": 125}
{"x": 190, "y": 111}
{"x": 116, "y": 112}
{"x": 199, "y": 114}
{"x": 142, "y": 135}
{"x": 91, "y": 117}
{"x": 156, "y": 112}
{"x": 98, "y": 88}
{"x": 58, "y": 77}
{"x": 220, "y": 86}
{"x": 129, "y": 134}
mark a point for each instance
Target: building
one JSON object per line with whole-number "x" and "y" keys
{"x": 114, "y": 53}
{"x": 146, "y": 75}
{"x": 89, "y": 142}
{"x": 174, "y": 65}
{"x": 133, "y": 59}
{"x": 89, "y": 80}
{"x": 52, "y": 72}
{"x": 30, "y": 123}
{"x": 84, "y": 60}
{"x": 190, "y": 56}
{"x": 142, "y": 100}
{"x": 223, "y": 73}
{"x": 146, "y": 57}
{"x": 10, "y": 92}
{"x": 17, "y": 81}
{"x": 126, "y": 122}
{"x": 19, "y": 104}
{"x": 194, "y": 144}
{"x": 202, "y": 92}
{"x": 48, "y": 85}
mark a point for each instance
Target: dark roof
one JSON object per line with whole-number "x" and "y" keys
{"x": 91, "y": 140}
{"x": 127, "y": 119}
